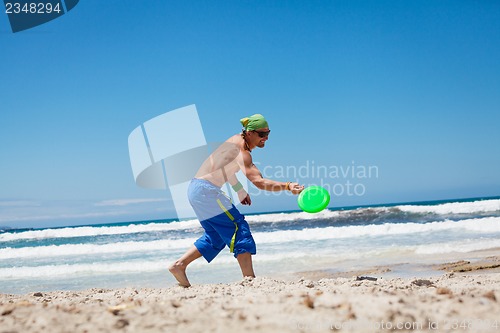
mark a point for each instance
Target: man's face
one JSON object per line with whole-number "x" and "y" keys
{"x": 259, "y": 137}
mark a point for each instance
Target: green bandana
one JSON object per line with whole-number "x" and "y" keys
{"x": 254, "y": 122}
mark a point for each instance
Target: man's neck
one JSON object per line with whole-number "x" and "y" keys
{"x": 245, "y": 144}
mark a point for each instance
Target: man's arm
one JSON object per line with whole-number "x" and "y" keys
{"x": 255, "y": 176}
{"x": 243, "y": 196}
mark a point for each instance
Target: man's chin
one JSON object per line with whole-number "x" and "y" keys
{"x": 261, "y": 145}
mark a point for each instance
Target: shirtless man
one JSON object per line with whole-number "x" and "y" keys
{"x": 223, "y": 223}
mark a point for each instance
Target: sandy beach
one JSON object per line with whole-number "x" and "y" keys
{"x": 463, "y": 297}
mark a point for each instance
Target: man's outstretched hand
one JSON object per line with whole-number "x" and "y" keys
{"x": 296, "y": 188}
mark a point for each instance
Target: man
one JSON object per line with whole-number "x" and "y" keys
{"x": 223, "y": 223}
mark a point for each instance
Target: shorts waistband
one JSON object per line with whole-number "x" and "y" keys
{"x": 206, "y": 182}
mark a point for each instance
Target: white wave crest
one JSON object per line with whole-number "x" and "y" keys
{"x": 92, "y": 249}
{"x": 287, "y": 217}
{"x": 97, "y": 231}
{"x": 487, "y": 225}
{"x": 447, "y": 208}
{"x": 455, "y": 207}
{"x": 484, "y": 225}
{"x": 88, "y": 231}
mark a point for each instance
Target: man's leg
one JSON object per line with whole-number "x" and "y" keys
{"x": 245, "y": 261}
{"x": 178, "y": 268}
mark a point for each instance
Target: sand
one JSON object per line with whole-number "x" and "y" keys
{"x": 448, "y": 302}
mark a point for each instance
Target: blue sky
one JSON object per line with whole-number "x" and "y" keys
{"x": 411, "y": 88}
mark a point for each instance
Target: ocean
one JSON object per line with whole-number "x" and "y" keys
{"x": 137, "y": 254}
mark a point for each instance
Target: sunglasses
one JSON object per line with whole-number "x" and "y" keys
{"x": 262, "y": 134}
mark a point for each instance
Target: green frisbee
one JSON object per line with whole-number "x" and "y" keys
{"x": 313, "y": 199}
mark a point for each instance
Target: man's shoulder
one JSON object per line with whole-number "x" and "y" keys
{"x": 235, "y": 138}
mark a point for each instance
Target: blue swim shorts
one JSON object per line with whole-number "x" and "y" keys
{"x": 223, "y": 223}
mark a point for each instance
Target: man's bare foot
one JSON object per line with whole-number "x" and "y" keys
{"x": 179, "y": 272}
